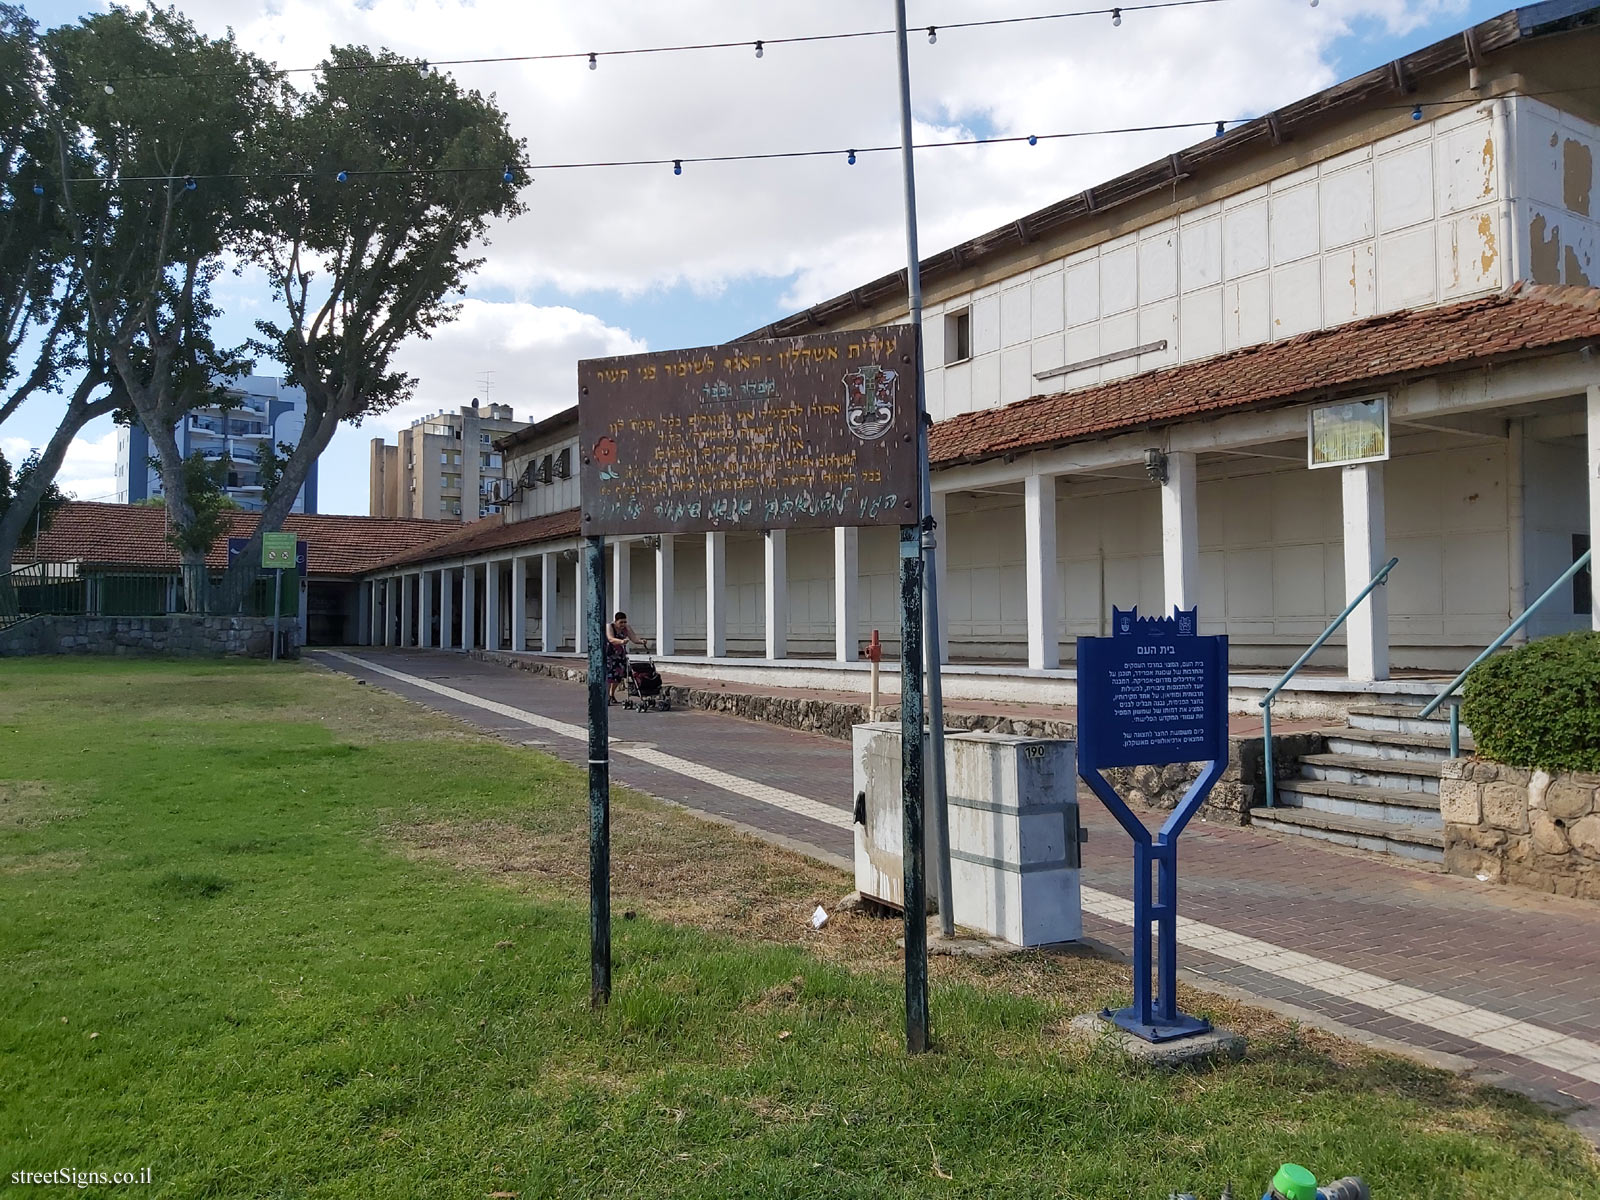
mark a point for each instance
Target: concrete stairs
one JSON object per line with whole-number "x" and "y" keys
{"x": 1375, "y": 786}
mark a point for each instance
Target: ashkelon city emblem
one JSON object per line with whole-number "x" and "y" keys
{"x": 869, "y": 395}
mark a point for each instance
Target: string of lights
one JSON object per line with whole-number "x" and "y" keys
{"x": 759, "y": 45}
{"x": 509, "y": 171}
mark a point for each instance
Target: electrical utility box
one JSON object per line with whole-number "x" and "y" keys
{"x": 1015, "y": 839}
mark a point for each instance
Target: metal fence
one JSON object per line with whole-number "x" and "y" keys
{"x": 79, "y": 590}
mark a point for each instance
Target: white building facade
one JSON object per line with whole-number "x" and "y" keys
{"x": 1120, "y": 391}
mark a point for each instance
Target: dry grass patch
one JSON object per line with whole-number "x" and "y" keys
{"x": 30, "y": 803}
{"x": 671, "y": 866}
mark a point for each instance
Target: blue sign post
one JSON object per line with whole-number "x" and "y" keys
{"x": 1153, "y": 692}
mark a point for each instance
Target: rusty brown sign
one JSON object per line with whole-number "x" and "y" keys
{"x": 814, "y": 431}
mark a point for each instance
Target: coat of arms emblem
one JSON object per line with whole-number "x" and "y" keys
{"x": 869, "y": 394}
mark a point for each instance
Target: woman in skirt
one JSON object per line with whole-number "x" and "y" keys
{"x": 618, "y": 634}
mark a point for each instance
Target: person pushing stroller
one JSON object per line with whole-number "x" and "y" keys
{"x": 618, "y": 635}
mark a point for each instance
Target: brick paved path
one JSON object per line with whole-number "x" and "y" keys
{"x": 1507, "y": 979}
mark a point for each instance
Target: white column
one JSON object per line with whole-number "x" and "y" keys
{"x": 447, "y": 608}
{"x": 1594, "y": 502}
{"x": 716, "y": 595}
{"x": 374, "y": 613}
{"x": 621, "y": 581}
{"x": 1039, "y": 528}
{"x": 491, "y": 605}
{"x": 941, "y": 562}
{"x": 1180, "y": 534}
{"x": 425, "y": 609}
{"x": 666, "y": 584}
{"x": 846, "y": 594}
{"x": 1365, "y": 550}
{"x": 777, "y": 592}
{"x": 580, "y": 591}
{"x": 469, "y": 606}
{"x": 408, "y": 612}
{"x": 549, "y": 614}
{"x": 519, "y": 603}
{"x": 391, "y": 597}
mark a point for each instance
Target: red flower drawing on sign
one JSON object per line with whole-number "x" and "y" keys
{"x": 605, "y": 451}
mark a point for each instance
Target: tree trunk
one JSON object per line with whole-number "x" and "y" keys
{"x": 241, "y": 572}
{"x": 13, "y": 526}
{"x": 180, "y": 515}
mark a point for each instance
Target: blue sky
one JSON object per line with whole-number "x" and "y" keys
{"x": 619, "y": 261}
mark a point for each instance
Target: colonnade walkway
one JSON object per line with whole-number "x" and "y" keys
{"x": 1474, "y": 976}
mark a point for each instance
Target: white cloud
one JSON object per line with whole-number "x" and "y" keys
{"x": 87, "y": 471}
{"x": 532, "y": 351}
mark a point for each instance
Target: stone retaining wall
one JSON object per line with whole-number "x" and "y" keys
{"x": 179, "y": 635}
{"x": 1530, "y": 828}
{"x": 1239, "y": 789}
{"x": 1153, "y": 787}
{"x": 831, "y": 718}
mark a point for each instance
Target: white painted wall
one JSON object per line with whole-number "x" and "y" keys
{"x": 1271, "y": 557}
{"x": 1413, "y": 219}
{"x": 1556, "y": 504}
{"x": 1557, "y": 190}
{"x": 544, "y": 498}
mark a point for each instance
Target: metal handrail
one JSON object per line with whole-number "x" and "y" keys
{"x": 1266, "y": 701}
{"x": 1447, "y": 695}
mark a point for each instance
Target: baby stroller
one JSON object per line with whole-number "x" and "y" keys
{"x": 643, "y": 684}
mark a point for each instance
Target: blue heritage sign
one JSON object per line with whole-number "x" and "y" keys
{"x": 1154, "y": 692}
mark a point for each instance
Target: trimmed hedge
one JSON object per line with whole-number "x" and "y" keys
{"x": 1538, "y": 705}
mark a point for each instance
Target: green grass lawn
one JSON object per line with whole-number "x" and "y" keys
{"x": 270, "y": 933}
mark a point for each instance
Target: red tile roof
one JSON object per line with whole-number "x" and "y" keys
{"x": 1369, "y": 353}
{"x": 484, "y": 536}
{"x": 135, "y": 535}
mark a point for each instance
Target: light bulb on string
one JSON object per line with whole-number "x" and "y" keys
{"x": 933, "y": 34}
{"x": 1314, "y": 3}
{"x": 677, "y": 166}
{"x": 189, "y": 183}
{"x": 1116, "y": 16}
{"x": 38, "y": 189}
{"x": 110, "y": 91}
{"x": 508, "y": 175}
{"x": 594, "y": 63}
{"x": 759, "y": 51}
{"x": 850, "y": 158}
{"x": 1033, "y": 139}
{"x": 1416, "y": 113}
{"x": 343, "y": 177}
{"x": 1219, "y": 128}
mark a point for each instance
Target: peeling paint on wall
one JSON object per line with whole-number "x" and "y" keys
{"x": 1573, "y": 271}
{"x": 1490, "y": 250}
{"x": 1488, "y": 168}
{"x": 1577, "y": 175}
{"x": 1544, "y": 264}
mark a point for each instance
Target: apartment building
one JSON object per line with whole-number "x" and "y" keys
{"x": 252, "y": 415}
{"x": 445, "y": 467}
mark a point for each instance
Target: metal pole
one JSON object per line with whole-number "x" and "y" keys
{"x": 277, "y": 605}
{"x": 599, "y": 781}
{"x": 911, "y": 760}
{"x": 930, "y": 576}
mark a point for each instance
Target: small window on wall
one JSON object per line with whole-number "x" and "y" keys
{"x": 1583, "y": 581}
{"x": 957, "y": 336}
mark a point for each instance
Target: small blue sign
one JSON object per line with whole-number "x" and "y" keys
{"x": 1153, "y": 692}
{"x": 236, "y": 547}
